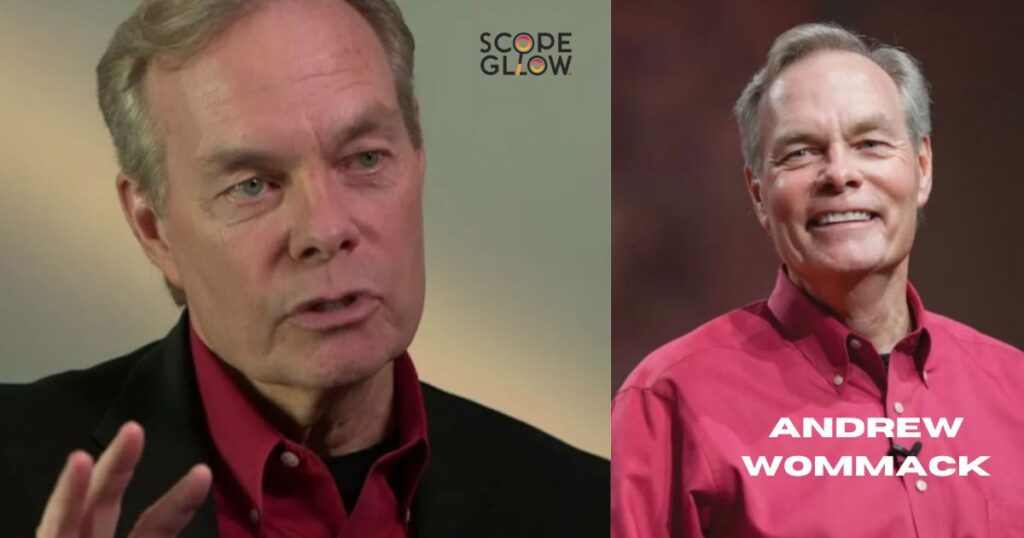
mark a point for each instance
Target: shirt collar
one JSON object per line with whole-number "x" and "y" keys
{"x": 244, "y": 439}
{"x": 829, "y": 344}
{"x": 405, "y": 465}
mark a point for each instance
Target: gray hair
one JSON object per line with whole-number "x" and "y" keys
{"x": 171, "y": 32}
{"x": 803, "y": 40}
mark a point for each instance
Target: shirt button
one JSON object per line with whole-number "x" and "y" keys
{"x": 254, "y": 516}
{"x": 289, "y": 459}
{"x": 408, "y": 516}
{"x": 854, "y": 343}
{"x": 921, "y": 485}
{"x": 898, "y": 406}
{"x": 837, "y": 380}
{"x": 924, "y": 375}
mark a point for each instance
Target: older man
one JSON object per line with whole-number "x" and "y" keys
{"x": 272, "y": 169}
{"x": 837, "y": 142}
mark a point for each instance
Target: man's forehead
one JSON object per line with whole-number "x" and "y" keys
{"x": 286, "y": 42}
{"x": 250, "y": 144}
{"x": 236, "y": 95}
{"x": 314, "y": 58}
{"x": 279, "y": 29}
{"x": 832, "y": 83}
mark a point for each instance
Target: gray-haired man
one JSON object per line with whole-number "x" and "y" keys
{"x": 708, "y": 433}
{"x": 272, "y": 169}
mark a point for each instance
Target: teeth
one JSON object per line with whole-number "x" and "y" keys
{"x": 334, "y": 305}
{"x": 846, "y": 216}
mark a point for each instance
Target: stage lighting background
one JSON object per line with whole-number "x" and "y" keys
{"x": 686, "y": 246}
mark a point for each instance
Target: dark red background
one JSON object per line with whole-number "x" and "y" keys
{"x": 685, "y": 244}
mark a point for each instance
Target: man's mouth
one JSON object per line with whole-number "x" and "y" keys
{"x": 337, "y": 304}
{"x": 335, "y": 312}
{"x": 841, "y": 217}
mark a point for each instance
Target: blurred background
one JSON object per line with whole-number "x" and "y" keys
{"x": 517, "y": 210}
{"x": 685, "y": 244}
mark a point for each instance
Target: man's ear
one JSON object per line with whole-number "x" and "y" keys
{"x": 421, "y": 152}
{"x": 754, "y": 190}
{"x": 421, "y": 162}
{"x": 147, "y": 225}
{"x": 924, "y": 163}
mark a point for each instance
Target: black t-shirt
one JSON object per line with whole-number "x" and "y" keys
{"x": 350, "y": 471}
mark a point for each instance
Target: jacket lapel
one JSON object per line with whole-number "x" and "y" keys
{"x": 160, "y": 393}
{"x": 454, "y": 498}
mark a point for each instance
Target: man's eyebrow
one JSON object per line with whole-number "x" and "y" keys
{"x": 229, "y": 159}
{"x": 793, "y": 136}
{"x": 376, "y": 118}
{"x": 876, "y": 122}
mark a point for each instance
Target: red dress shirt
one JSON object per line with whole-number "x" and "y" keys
{"x": 267, "y": 485}
{"x": 687, "y": 415}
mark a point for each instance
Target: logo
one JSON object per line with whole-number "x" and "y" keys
{"x": 526, "y": 54}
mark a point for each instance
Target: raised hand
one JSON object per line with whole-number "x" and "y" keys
{"x": 86, "y": 502}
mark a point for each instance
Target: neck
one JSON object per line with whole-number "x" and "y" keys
{"x": 334, "y": 421}
{"x": 873, "y": 305}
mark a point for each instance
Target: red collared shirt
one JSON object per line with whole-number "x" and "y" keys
{"x": 685, "y": 418}
{"x": 266, "y": 485}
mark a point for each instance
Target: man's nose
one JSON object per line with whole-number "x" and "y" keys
{"x": 840, "y": 171}
{"x": 322, "y": 218}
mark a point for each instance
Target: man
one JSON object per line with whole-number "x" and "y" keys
{"x": 837, "y": 142}
{"x": 272, "y": 169}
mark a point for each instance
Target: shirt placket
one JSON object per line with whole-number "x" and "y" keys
{"x": 904, "y": 390}
{"x": 304, "y": 490}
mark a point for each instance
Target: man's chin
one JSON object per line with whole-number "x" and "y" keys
{"x": 327, "y": 363}
{"x": 332, "y": 370}
{"x": 846, "y": 266}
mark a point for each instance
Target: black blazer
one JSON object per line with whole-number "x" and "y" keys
{"x": 489, "y": 475}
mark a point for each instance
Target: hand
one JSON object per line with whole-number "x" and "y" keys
{"x": 86, "y": 502}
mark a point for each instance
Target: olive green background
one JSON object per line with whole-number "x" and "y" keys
{"x": 517, "y": 210}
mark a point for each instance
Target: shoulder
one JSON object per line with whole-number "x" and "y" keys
{"x": 42, "y": 422}
{"x": 735, "y": 335}
{"x": 976, "y": 351}
{"x": 493, "y": 461}
{"x": 953, "y": 332}
{"x": 65, "y": 396}
{"x": 455, "y": 419}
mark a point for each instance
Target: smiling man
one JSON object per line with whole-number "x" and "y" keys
{"x": 837, "y": 142}
{"x": 272, "y": 168}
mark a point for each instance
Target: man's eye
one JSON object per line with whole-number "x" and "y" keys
{"x": 250, "y": 188}
{"x": 871, "y": 144}
{"x": 802, "y": 152}
{"x": 369, "y": 159}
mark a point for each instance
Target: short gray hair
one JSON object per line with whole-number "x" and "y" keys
{"x": 803, "y": 40}
{"x": 171, "y": 32}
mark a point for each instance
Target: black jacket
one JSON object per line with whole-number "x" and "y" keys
{"x": 488, "y": 476}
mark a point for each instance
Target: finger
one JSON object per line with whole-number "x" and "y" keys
{"x": 63, "y": 512}
{"x": 110, "y": 477}
{"x": 169, "y": 514}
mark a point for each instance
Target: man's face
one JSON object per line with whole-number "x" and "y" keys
{"x": 842, "y": 181}
{"x": 293, "y": 218}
